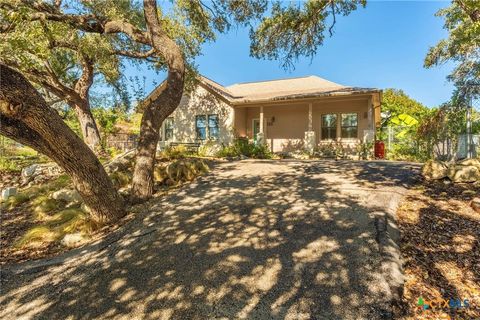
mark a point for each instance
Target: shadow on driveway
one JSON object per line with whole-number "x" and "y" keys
{"x": 253, "y": 240}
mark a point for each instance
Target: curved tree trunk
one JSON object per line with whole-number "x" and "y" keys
{"x": 158, "y": 109}
{"x": 88, "y": 126}
{"x": 26, "y": 118}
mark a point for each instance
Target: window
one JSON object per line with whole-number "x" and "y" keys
{"x": 329, "y": 126}
{"x": 168, "y": 129}
{"x": 213, "y": 126}
{"x": 349, "y": 125}
{"x": 201, "y": 127}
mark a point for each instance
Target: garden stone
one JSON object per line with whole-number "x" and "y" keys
{"x": 67, "y": 195}
{"x": 29, "y": 172}
{"x": 435, "y": 170}
{"x": 460, "y": 173}
{"x": 470, "y": 162}
{"x": 8, "y": 192}
{"x": 72, "y": 240}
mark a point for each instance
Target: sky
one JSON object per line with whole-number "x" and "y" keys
{"x": 381, "y": 46}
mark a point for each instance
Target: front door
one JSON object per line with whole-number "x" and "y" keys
{"x": 256, "y": 128}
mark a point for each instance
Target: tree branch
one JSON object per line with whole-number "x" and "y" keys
{"x": 135, "y": 54}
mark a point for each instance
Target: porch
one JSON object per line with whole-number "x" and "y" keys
{"x": 289, "y": 126}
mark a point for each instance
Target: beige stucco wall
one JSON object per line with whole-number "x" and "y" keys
{"x": 201, "y": 102}
{"x": 287, "y": 131}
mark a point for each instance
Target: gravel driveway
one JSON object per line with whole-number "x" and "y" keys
{"x": 252, "y": 240}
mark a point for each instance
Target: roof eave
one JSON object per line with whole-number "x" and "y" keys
{"x": 239, "y": 102}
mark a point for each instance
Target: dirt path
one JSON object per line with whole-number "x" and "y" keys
{"x": 253, "y": 240}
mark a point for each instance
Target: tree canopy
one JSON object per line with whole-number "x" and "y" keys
{"x": 462, "y": 21}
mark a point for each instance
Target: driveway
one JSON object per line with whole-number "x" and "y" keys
{"x": 251, "y": 240}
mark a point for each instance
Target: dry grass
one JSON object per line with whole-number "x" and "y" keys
{"x": 441, "y": 250}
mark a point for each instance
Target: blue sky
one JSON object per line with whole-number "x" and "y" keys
{"x": 381, "y": 46}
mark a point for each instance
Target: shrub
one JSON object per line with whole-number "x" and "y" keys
{"x": 241, "y": 146}
{"x": 209, "y": 149}
{"x": 176, "y": 152}
{"x": 365, "y": 150}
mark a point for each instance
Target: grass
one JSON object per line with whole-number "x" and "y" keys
{"x": 56, "y": 227}
{"x": 15, "y": 201}
{"x": 9, "y": 165}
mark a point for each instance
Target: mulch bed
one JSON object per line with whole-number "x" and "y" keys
{"x": 440, "y": 244}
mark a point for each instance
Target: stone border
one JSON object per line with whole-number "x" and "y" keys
{"x": 388, "y": 239}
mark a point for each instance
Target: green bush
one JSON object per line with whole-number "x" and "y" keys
{"x": 242, "y": 146}
{"x": 176, "y": 152}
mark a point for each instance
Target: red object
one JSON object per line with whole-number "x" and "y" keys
{"x": 379, "y": 150}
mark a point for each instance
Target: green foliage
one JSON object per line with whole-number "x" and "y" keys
{"x": 297, "y": 29}
{"x": 334, "y": 149}
{"x": 241, "y": 146}
{"x": 176, "y": 152}
{"x": 9, "y": 165}
{"x": 442, "y": 124}
{"x": 365, "y": 150}
{"x": 462, "y": 21}
{"x": 396, "y": 103}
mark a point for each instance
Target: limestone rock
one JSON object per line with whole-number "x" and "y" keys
{"x": 435, "y": 170}
{"x": 470, "y": 162}
{"x": 72, "y": 240}
{"x": 8, "y": 192}
{"x": 461, "y": 173}
{"x": 67, "y": 195}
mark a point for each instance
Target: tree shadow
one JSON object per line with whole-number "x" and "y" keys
{"x": 442, "y": 247}
{"x": 253, "y": 239}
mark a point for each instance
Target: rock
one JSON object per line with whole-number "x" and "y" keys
{"x": 8, "y": 192}
{"x": 122, "y": 162}
{"x": 85, "y": 208}
{"x": 435, "y": 170}
{"x": 29, "y": 171}
{"x": 459, "y": 173}
{"x": 475, "y": 204}
{"x": 242, "y": 157}
{"x": 470, "y": 162}
{"x": 67, "y": 195}
{"x": 72, "y": 240}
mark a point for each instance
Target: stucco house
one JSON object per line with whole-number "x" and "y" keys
{"x": 286, "y": 114}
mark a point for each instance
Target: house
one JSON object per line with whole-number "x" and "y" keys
{"x": 286, "y": 114}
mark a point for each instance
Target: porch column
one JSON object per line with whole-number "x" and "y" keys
{"x": 369, "y": 134}
{"x": 261, "y": 134}
{"x": 310, "y": 117}
{"x": 310, "y": 134}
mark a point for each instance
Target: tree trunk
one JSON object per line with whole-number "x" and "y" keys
{"x": 88, "y": 126}
{"x": 159, "y": 108}
{"x": 26, "y": 118}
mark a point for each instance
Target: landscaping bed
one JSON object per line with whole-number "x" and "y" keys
{"x": 440, "y": 245}
{"x": 46, "y": 215}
